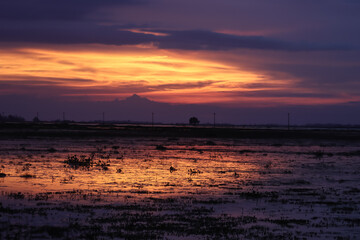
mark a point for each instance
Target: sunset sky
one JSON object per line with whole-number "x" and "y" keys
{"x": 222, "y": 52}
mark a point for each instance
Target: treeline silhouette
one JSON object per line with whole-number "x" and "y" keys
{"x": 11, "y": 118}
{"x": 194, "y": 121}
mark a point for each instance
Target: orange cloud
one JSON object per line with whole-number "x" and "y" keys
{"x": 151, "y": 66}
{"x": 106, "y": 72}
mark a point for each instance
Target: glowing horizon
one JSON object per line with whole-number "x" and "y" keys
{"x": 99, "y": 72}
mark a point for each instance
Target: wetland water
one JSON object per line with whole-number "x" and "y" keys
{"x": 179, "y": 188}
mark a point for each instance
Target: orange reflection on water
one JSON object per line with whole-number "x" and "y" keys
{"x": 134, "y": 166}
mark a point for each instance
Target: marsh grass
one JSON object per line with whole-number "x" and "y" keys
{"x": 78, "y": 162}
{"x": 161, "y": 148}
{"x": 27, "y": 175}
{"x": 84, "y": 162}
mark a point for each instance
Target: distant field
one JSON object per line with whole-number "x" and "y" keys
{"x": 79, "y": 130}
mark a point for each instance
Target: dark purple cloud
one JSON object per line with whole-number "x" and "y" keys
{"x": 42, "y": 21}
{"x": 323, "y": 75}
{"x": 57, "y": 87}
{"x": 329, "y": 21}
{"x": 286, "y": 93}
{"x": 69, "y": 33}
{"x": 207, "y": 40}
{"x": 85, "y": 33}
{"x": 54, "y": 9}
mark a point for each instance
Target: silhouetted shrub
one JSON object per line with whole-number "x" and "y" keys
{"x": 11, "y": 118}
{"x": 194, "y": 121}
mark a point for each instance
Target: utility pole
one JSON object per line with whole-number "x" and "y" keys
{"x": 103, "y": 115}
{"x": 288, "y": 121}
{"x": 152, "y": 119}
{"x": 214, "y": 118}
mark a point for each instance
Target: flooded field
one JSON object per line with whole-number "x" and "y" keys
{"x": 179, "y": 188}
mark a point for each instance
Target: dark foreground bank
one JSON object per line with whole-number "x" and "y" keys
{"x": 80, "y": 130}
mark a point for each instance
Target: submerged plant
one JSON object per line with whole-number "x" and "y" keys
{"x": 160, "y": 147}
{"x": 28, "y": 176}
{"x": 82, "y": 161}
{"x": 86, "y": 162}
{"x": 210, "y": 143}
{"x": 268, "y": 164}
{"x": 192, "y": 171}
{"x": 51, "y": 150}
{"x": 103, "y": 165}
{"x": 318, "y": 154}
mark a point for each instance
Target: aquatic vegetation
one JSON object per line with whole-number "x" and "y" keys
{"x": 51, "y": 150}
{"x": 27, "y": 176}
{"x": 318, "y": 154}
{"x": 18, "y": 195}
{"x": 26, "y": 167}
{"x": 86, "y": 162}
{"x": 192, "y": 171}
{"x": 210, "y": 143}
{"x": 82, "y": 161}
{"x": 246, "y": 151}
{"x": 103, "y": 165}
{"x": 161, "y": 148}
{"x": 268, "y": 164}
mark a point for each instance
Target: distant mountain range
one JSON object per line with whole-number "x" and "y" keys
{"x": 140, "y": 109}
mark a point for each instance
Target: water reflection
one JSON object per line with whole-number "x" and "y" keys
{"x": 268, "y": 188}
{"x": 133, "y": 165}
{"x": 138, "y": 166}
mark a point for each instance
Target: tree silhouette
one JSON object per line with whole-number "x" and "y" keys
{"x": 36, "y": 119}
{"x": 194, "y": 121}
{"x": 11, "y": 118}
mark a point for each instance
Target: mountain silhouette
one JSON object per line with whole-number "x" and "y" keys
{"x": 141, "y": 109}
{"x": 136, "y": 99}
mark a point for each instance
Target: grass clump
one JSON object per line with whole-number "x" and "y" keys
{"x": 51, "y": 150}
{"x": 28, "y": 176}
{"x": 318, "y": 154}
{"x": 192, "y": 171}
{"x": 103, "y": 165}
{"x": 86, "y": 162}
{"x": 210, "y": 143}
{"x": 161, "y": 148}
{"x": 82, "y": 161}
